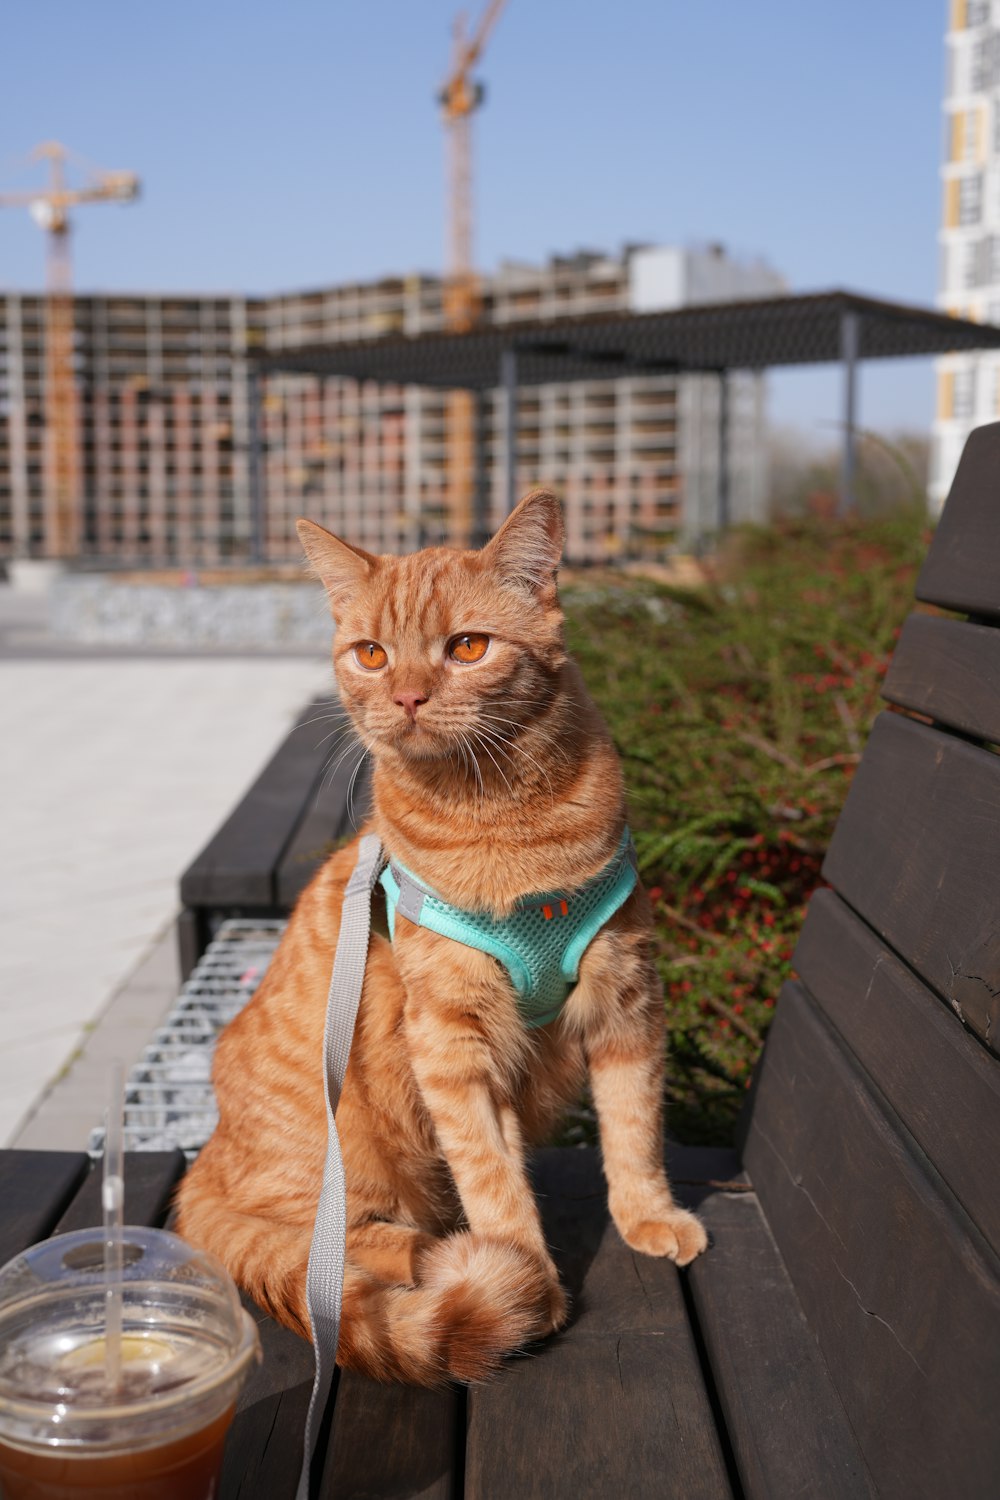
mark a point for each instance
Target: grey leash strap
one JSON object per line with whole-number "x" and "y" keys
{"x": 325, "y": 1278}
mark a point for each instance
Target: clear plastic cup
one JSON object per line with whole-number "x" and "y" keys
{"x": 187, "y": 1347}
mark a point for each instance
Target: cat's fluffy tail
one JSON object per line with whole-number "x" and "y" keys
{"x": 476, "y": 1301}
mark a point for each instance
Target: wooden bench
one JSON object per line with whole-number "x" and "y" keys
{"x": 841, "y": 1338}
{"x": 264, "y": 854}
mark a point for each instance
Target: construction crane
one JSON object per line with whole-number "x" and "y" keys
{"x": 459, "y": 97}
{"x": 49, "y": 207}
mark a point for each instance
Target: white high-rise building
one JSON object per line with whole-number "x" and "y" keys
{"x": 968, "y": 385}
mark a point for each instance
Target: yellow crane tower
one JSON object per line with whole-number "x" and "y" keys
{"x": 49, "y": 207}
{"x": 459, "y": 97}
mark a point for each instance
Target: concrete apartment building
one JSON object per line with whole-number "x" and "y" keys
{"x": 968, "y": 385}
{"x": 164, "y": 422}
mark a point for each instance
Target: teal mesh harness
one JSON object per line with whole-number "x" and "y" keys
{"x": 543, "y": 940}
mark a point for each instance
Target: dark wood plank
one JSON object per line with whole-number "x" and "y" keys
{"x": 35, "y": 1189}
{"x": 950, "y": 671}
{"x": 397, "y": 1441}
{"x": 192, "y": 940}
{"x": 150, "y": 1180}
{"x": 237, "y": 866}
{"x": 264, "y": 1447}
{"x": 335, "y": 809}
{"x": 615, "y": 1404}
{"x": 698, "y": 1171}
{"x": 901, "y": 1292}
{"x": 940, "y": 1082}
{"x": 962, "y": 570}
{"x": 916, "y": 852}
{"x": 789, "y": 1431}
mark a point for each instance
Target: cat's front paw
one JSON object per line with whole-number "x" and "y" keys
{"x": 674, "y": 1233}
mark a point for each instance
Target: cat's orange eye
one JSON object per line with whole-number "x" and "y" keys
{"x": 468, "y": 648}
{"x": 371, "y": 655}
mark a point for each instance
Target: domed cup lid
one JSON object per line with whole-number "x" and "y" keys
{"x": 187, "y": 1343}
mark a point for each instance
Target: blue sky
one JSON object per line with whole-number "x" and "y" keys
{"x": 296, "y": 145}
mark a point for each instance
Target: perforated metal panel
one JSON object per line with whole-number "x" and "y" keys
{"x": 168, "y": 1095}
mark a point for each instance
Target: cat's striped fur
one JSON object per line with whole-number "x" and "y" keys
{"x": 491, "y": 780}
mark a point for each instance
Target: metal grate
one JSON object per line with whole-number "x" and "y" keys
{"x": 168, "y": 1095}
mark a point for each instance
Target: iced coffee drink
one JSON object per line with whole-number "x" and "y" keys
{"x": 156, "y": 1432}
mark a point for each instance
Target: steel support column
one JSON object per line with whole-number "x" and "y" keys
{"x": 850, "y": 348}
{"x": 724, "y": 517}
{"x": 508, "y": 383}
{"x": 255, "y": 469}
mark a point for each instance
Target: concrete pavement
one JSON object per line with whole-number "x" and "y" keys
{"x": 113, "y": 773}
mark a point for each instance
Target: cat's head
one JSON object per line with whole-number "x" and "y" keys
{"x": 444, "y": 653}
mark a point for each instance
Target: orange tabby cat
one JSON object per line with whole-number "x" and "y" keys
{"x": 494, "y": 778}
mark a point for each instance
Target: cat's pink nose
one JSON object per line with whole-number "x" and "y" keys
{"x": 411, "y": 702}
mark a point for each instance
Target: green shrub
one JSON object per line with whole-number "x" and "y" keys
{"x": 740, "y": 712}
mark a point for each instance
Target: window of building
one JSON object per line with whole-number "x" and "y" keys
{"x": 964, "y": 397}
{"x": 970, "y": 264}
{"x": 970, "y": 198}
{"x": 980, "y": 72}
{"x": 970, "y": 146}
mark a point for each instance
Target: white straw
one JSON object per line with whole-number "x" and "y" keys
{"x": 112, "y": 1202}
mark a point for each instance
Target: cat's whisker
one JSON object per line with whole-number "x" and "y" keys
{"x": 481, "y": 736}
{"x": 337, "y": 757}
{"x": 475, "y": 765}
{"x": 338, "y": 730}
{"x": 552, "y": 748}
{"x": 350, "y": 789}
{"x": 319, "y": 719}
{"x": 470, "y": 767}
{"x": 341, "y": 752}
{"x": 501, "y": 748}
{"x": 499, "y": 719}
{"x": 514, "y": 745}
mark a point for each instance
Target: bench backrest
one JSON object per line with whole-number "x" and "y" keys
{"x": 873, "y": 1131}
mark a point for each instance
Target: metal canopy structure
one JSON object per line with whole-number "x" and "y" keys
{"x": 815, "y": 328}
{"x": 688, "y": 340}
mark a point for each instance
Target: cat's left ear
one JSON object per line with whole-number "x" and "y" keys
{"x": 527, "y": 548}
{"x": 343, "y": 569}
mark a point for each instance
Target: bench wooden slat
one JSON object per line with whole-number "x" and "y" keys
{"x": 961, "y": 571}
{"x": 264, "y": 1446}
{"x": 787, "y": 1425}
{"x": 616, "y": 1404}
{"x": 941, "y": 1083}
{"x": 327, "y": 818}
{"x": 902, "y": 1294}
{"x": 950, "y": 671}
{"x": 35, "y": 1189}
{"x": 237, "y": 867}
{"x": 916, "y": 852}
{"x": 393, "y": 1440}
{"x": 150, "y": 1180}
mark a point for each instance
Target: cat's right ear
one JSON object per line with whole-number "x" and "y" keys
{"x": 341, "y": 568}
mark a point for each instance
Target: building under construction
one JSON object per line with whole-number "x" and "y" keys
{"x": 164, "y": 425}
